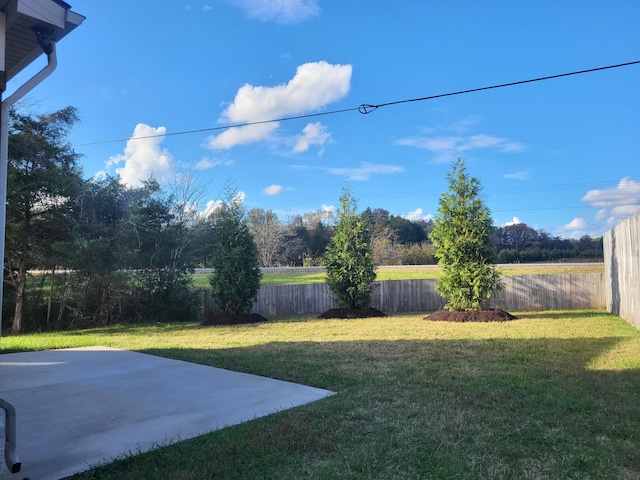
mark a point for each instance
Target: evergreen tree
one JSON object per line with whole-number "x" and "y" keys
{"x": 461, "y": 235}
{"x": 349, "y": 257}
{"x": 236, "y": 278}
{"x": 42, "y": 178}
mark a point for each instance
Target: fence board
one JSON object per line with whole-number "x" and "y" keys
{"x": 531, "y": 292}
{"x": 622, "y": 269}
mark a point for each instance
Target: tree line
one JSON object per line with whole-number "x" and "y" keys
{"x": 105, "y": 253}
{"x": 396, "y": 240}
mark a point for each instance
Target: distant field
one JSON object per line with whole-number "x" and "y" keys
{"x": 302, "y": 275}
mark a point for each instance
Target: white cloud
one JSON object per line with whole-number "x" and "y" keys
{"x": 576, "y": 228}
{"x": 616, "y": 204}
{"x": 211, "y": 207}
{"x": 208, "y": 163}
{"x": 481, "y": 141}
{"x": 99, "y": 176}
{"x": 521, "y": 175}
{"x": 241, "y": 196}
{"x": 279, "y": 11}
{"x": 464, "y": 125}
{"x": 515, "y": 221}
{"x": 328, "y": 208}
{"x": 445, "y": 145}
{"x": 512, "y": 147}
{"x": 143, "y": 157}
{"x": 312, "y": 134}
{"x": 242, "y": 135}
{"x": 273, "y": 189}
{"x": 576, "y": 224}
{"x": 314, "y": 85}
{"x": 417, "y": 214}
{"x": 366, "y": 170}
{"x": 431, "y": 143}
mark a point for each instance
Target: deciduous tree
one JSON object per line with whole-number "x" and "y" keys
{"x": 268, "y": 233}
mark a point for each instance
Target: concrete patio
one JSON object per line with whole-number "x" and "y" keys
{"x": 77, "y": 408}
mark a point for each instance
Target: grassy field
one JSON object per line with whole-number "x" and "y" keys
{"x": 303, "y": 276}
{"x": 552, "y": 395}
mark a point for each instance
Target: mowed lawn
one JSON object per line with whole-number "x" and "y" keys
{"x": 552, "y": 395}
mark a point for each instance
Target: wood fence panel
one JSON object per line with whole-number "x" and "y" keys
{"x": 531, "y": 292}
{"x": 622, "y": 269}
{"x": 551, "y": 292}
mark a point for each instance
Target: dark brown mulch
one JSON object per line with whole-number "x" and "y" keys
{"x": 493, "y": 315}
{"x": 352, "y": 313}
{"x": 231, "y": 319}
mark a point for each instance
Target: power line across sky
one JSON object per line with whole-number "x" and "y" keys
{"x": 364, "y": 108}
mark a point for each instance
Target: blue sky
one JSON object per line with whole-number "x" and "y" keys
{"x": 560, "y": 155}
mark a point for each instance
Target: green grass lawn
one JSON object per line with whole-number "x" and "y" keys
{"x": 552, "y": 395}
{"x": 304, "y": 276}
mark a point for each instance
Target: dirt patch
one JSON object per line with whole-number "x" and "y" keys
{"x": 233, "y": 319}
{"x": 352, "y": 313}
{"x": 493, "y": 315}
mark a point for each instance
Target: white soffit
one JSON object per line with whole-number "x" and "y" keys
{"x": 52, "y": 17}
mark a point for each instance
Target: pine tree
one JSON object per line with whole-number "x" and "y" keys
{"x": 461, "y": 235}
{"x": 349, "y": 257}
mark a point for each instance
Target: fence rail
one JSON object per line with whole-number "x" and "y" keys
{"x": 530, "y": 292}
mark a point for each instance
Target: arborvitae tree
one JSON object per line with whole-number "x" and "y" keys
{"x": 461, "y": 235}
{"x": 236, "y": 278}
{"x": 349, "y": 257}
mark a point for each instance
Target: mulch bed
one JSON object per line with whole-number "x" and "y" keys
{"x": 493, "y": 315}
{"x": 231, "y": 319}
{"x": 352, "y": 313}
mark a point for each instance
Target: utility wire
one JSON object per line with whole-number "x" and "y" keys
{"x": 364, "y": 108}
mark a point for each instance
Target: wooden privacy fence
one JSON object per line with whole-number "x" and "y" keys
{"x": 622, "y": 269}
{"x": 531, "y": 292}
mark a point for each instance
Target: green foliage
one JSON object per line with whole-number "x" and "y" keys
{"x": 111, "y": 253}
{"x": 43, "y": 177}
{"x": 419, "y": 254}
{"x": 236, "y": 279}
{"x": 134, "y": 230}
{"x": 520, "y": 243}
{"x": 461, "y": 235}
{"x": 164, "y": 296}
{"x": 349, "y": 257}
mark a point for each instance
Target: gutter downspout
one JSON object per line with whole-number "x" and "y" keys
{"x": 52, "y": 62}
{"x": 11, "y": 457}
